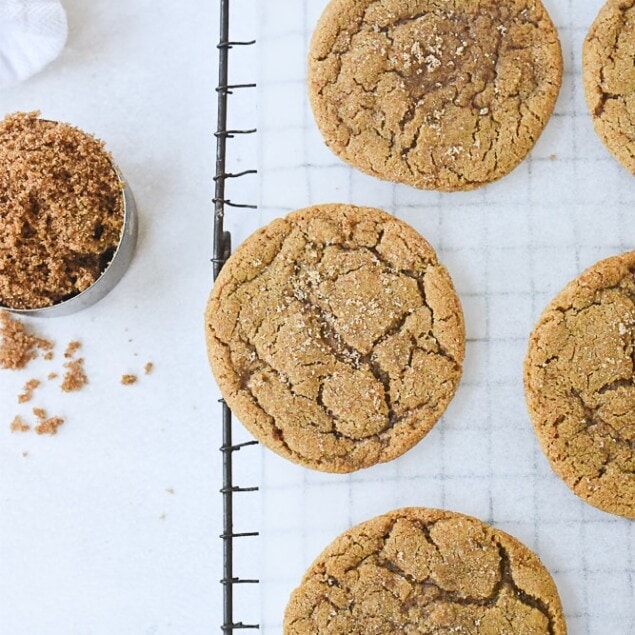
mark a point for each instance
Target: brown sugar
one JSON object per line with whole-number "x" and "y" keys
{"x": 72, "y": 348}
{"x": 61, "y": 210}
{"x": 75, "y": 378}
{"x": 46, "y": 425}
{"x": 49, "y": 426}
{"x": 128, "y": 380}
{"x": 52, "y": 376}
{"x": 18, "y": 346}
{"x": 17, "y": 425}
{"x": 148, "y": 368}
{"x": 27, "y": 391}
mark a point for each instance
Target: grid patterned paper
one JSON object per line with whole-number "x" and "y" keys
{"x": 509, "y": 247}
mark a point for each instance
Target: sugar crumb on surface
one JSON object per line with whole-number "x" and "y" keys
{"x": 18, "y": 425}
{"x": 72, "y": 348}
{"x": 75, "y": 377}
{"x": 27, "y": 391}
{"x": 148, "y": 368}
{"x": 49, "y": 426}
{"x": 128, "y": 380}
{"x": 18, "y": 345}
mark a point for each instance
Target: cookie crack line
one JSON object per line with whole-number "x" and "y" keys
{"x": 595, "y": 421}
{"x": 505, "y": 582}
{"x": 367, "y": 115}
{"x": 374, "y": 367}
{"x": 300, "y": 337}
{"x": 607, "y": 59}
{"x": 393, "y": 419}
{"x": 580, "y": 384}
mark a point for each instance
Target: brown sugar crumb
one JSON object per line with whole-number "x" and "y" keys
{"x": 128, "y": 380}
{"x": 49, "y": 426}
{"x": 18, "y": 346}
{"x": 148, "y": 368}
{"x": 62, "y": 211}
{"x": 553, "y": 157}
{"x": 48, "y": 356}
{"x": 17, "y": 425}
{"x": 46, "y": 425}
{"x": 75, "y": 378}
{"x": 52, "y": 376}
{"x": 72, "y": 348}
{"x": 27, "y": 391}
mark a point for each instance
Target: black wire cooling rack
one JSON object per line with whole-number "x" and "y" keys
{"x": 222, "y": 250}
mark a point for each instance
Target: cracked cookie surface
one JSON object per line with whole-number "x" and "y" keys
{"x": 436, "y": 94}
{"x": 609, "y": 78}
{"x": 579, "y": 384}
{"x": 336, "y": 337}
{"x": 425, "y": 571}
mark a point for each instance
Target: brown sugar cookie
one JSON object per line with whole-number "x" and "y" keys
{"x": 336, "y": 337}
{"x": 436, "y": 94}
{"x": 425, "y": 571}
{"x": 579, "y": 384}
{"x": 609, "y": 78}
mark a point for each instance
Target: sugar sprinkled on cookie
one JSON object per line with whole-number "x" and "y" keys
{"x": 609, "y": 78}
{"x": 426, "y": 571}
{"x": 446, "y": 95}
{"x": 336, "y": 337}
{"x": 580, "y": 384}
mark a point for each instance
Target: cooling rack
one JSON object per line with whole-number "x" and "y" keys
{"x": 221, "y": 251}
{"x": 510, "y": 248}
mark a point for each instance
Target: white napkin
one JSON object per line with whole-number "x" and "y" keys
{"x": 32, "y": 34}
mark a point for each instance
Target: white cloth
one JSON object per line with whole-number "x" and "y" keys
{"x": 32, "y": 34}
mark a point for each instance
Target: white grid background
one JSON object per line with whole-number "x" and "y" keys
{"x": 509, "y": 247}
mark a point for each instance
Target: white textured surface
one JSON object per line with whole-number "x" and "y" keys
{"x": 510, "y": 247}
{"x": 32, "y": 35}
{"x": 84, "y": 549}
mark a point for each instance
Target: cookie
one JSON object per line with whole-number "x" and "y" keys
{"x": 336, "y": 337}
{"x": 579, "y": 375}
{"x": 609, "y": 78}
{"x": 425, "y": 571}
{"x": 437, "y": 94}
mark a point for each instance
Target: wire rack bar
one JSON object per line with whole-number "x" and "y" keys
{"x": 221, "y": 252}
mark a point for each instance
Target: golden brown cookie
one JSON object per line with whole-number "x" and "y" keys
{"x": 609, "y": 78}
{"x": 579, "y": 375}
{"x": 436, "y": 94}
{"x": 336, "y": 337}
{"x": 425, "y": 571}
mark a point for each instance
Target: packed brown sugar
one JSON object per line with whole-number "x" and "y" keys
{"x": 61, "y": 210}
